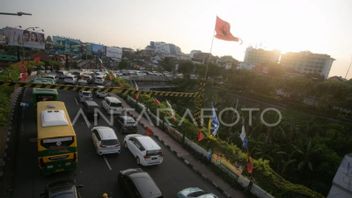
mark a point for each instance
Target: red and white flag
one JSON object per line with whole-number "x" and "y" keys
{"x": 222, "y": 29}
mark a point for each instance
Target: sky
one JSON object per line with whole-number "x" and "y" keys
{"x": 319, "y": 26}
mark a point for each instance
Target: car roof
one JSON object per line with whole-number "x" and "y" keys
{"x": 85, "y": 91}
{"x": 106, "y": 133}
{"x": 127, "y": 118}
{"x": 91, "y": 103}
{"x": 145, "y": 184}
{"x": 148, "y": 143}
{"x": 113, "y": 99}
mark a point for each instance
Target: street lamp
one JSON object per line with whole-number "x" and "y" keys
{"x": 15, "y": 14}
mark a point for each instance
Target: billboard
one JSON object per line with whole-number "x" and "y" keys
{"x": 98, "y": 49}
{"x": 64, "y": 45}
{"x": 114, "y": 53}
{"x": 24, "y": 38}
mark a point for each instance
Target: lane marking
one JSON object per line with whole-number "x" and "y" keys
{"x": 76, "y": 101}
{"x": 107, "y": 163}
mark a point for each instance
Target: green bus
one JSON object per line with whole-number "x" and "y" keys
{"x": 44, "y": 94}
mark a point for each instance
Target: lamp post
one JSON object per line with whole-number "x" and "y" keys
{"x": 15, "y": 14}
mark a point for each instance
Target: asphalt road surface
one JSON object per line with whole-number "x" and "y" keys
{"x": 97, "y": 174}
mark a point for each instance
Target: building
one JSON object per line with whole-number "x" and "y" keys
{"x": 164, "y": 49}
{"x": 342, "y": 182}
{"x": 227, "y": 62}
{"x": 246, "y": 66}
{"x": 307, "y": 63}
{"x": 257, "y": 57}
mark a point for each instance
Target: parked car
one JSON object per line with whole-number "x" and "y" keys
{"x": 85, "y": 95}
{"x": 62, "y": 189}
{"x": 126, "y": 124}
{"x": 99, "y": 80}
{"x": 61, "y": 74}
{"x": 105, "y": 140}
{"x": 43, "y": 81}
{"x": 194, "y": 192}
{"x": 138, "y": 184}
{"x": 145, "y": 150}
{"x": 51, "y": 77}
{"x": 90, "y": 108}
{"x": 101, "y": 94}
{"x": 70, "y": 79}
{"x": 112, "y": 105}
{"x": 84, "y": 79}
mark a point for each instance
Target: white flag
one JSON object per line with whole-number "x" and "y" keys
{"x": 243, "y": 134}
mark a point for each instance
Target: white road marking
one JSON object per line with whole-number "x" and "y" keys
{"x": 76, "y": 101}
{"x": 107, "y": 163}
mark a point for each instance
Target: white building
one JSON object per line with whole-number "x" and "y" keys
{"x": 256, "y": 56}
{"x": 308, "y": 63}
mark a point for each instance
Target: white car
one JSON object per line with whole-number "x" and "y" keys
{"x": 112, "y": 105}
{"x": 85, "y": 95}
{"x": 99, "y": 80}
{"x": 194, "y": 192}
{"x": 101, "y": 94}
{"x": 145, "y": 150}
{"x": 70, "y": 79}
{"x": 105, "y": 140}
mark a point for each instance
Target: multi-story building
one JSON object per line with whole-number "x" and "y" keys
{"x": 258, "y": 57}
{"x": 227, "y": 62}
{"x": 307, "y": 63}
{"x": 164, "y": 49}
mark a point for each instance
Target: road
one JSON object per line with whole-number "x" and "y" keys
{"x": 97, "y": 174}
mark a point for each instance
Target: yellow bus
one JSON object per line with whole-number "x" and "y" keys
{"x": 56, "y": 138}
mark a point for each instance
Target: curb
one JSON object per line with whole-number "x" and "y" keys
{"x": 193, "y": 168}
{"x": 15, "y": 96}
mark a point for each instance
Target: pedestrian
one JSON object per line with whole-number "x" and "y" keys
{"x": 105, "y": 195}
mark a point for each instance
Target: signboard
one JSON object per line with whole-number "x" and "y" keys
{"x": 114, "y": 52}
{"x": 98, "y": 49}
{"x": 24, "y": 38}
{"x": 64, "y": 45}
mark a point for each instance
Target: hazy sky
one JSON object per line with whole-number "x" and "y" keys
{"x": 320, "y": 26}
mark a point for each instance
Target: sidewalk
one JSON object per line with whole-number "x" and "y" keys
{"x": 187, "y": 157}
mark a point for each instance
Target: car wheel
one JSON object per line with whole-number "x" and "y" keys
{"x": 138, "y": 161}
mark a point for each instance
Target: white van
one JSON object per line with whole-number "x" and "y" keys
{"x": 112, "y": 105}
{"x": 145, "y": 150}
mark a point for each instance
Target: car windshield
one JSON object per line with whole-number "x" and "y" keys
{"x": 113, "y": 104}
{"x": 197, "y": 194}
{"x": 109, "y": 142}
{"x": 64, "y": 195}
{"x": 86, "y": 94}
